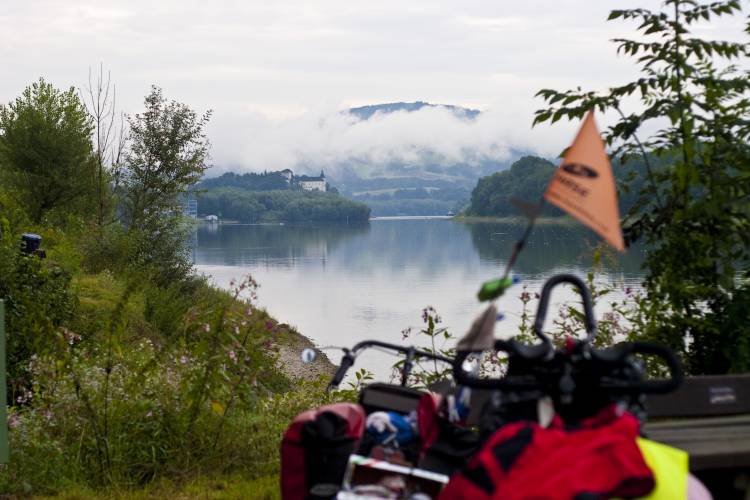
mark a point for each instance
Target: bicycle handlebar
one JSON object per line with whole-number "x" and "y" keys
{"x": 549, "y": 360}
{"x": 350, "y": 355}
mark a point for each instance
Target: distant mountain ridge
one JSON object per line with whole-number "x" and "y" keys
{"x": 366, "y": 112}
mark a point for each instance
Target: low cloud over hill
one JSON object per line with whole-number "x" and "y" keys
{"x": 386, "y": 140}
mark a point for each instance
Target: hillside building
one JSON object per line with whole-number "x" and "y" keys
{"x": 189, "y": 205}
{"x": 309, "y": 183}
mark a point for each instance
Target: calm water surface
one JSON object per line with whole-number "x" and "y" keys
{"x": 342, "y": 284}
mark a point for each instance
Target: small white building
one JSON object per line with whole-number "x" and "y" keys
{"x": 212, "y": 218}
{"x": 311, "y": 183}
{"x": 287, "y": 174}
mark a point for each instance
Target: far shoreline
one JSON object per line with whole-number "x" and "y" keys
{"x": 516, "y": 219}
{"x": 513, "y": 219}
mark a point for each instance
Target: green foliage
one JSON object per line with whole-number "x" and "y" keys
{"x": 166, "y": 307}
{"x": 224, "y": 487}
{"x": 528, "y": 177}
{"x": 167, "y": 153}
{"x": 46, "y": 160}
{"x": 419, "y": 200}
{"x": 693, "y": 214}
{"x": 611, "y": 327}
{"x": 425, "y": 371}
{"x": 124, "y": 366}
{"x": 116, "y": 407}
{"x": 287, "y": 206}
{"x": 270, "y": 181}
{"x": 350, "y": 392}
{"x": 526, "y": 180}
{"x": 38, "y": 301}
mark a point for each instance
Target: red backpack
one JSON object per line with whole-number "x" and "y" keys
{"x": 315, "y": 450}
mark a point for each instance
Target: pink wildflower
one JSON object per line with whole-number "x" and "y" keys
{"x": 14, "y": 420}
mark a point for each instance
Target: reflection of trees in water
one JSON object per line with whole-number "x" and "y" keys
{"x": 421, "y": 245}
{"x": 234, "y": 244}
{"x": 549, "y": 246}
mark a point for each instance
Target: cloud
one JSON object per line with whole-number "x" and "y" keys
{"x": 327, "y": 138}
{"x": 277, "y": 73}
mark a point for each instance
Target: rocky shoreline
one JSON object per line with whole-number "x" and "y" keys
{"x": 290, "y": 357}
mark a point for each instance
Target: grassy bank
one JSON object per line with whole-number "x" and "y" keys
{"x": 136, "y": 388}
{"x": 232, "y": 487}
{"x": 221, "y": 488}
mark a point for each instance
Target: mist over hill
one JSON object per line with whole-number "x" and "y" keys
{"x": 366, "y": 112}
{"x": 423, "y": 158}
{"x": 401, "y": 158}
{"x": 427, "y": 183}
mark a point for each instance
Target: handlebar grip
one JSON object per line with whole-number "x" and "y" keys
{"x": 588, "y": 304}
{"x": 528, "y": 352}
{"x": 346, "y": 362}
{"x": 461, "y": 377}
{"x": 663, "y": 386}
{"x": 673, "y": 363}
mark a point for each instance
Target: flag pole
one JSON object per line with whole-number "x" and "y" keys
{"x": 584, "y": 187}
{"x": 494, "y": 289}
{"x": 519, "y": 245}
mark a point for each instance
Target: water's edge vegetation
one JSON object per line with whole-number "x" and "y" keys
{"x": 126, "y": 369}
{"x": 139, "y": 383}
{"x": 281, "y": 206}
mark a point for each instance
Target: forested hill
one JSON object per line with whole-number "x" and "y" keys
{"x": 527, "y": 179}
{"x": 268, "y": 181}
{"x": 280, "y": 206}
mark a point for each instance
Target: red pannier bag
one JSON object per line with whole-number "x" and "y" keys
{"x": 315, "y": 449}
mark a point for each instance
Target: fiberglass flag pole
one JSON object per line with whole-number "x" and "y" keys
{"x": 493, "y": 289}
{"x": 584, "y": 187}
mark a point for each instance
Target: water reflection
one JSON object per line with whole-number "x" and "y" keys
{"x": 549, "y": 247}
{"x": 343, "y": 284}
{"x": 426, "y": 245}
{"x": 282, "y": 245}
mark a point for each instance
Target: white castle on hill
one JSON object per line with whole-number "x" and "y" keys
{"x": 306, "y": 182}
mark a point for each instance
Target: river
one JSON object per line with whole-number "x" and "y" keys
{"x": 339, "y": 284}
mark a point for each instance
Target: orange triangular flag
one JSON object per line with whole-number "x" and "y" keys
{"x": 584, "y": 185}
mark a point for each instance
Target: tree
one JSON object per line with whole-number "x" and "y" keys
{"x": 100, "y": 98}
{"x": 45, "y": 150}
{"x": 167, "y": 153}
{"x": 693, "y": 211}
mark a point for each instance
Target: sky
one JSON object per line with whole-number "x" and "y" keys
{"x": 277, "y": 73}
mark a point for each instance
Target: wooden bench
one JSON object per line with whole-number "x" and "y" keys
{"x": 709, "y": 417}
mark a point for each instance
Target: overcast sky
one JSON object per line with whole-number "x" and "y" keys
{"x": 275, "y": 72}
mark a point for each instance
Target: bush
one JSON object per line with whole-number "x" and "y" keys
{"x": 166, "y": 307}
{"x": 126, "y": 409}
{"x": 38, "y": 300}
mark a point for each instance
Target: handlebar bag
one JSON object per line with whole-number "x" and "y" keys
{"x": 315, "y": 450}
